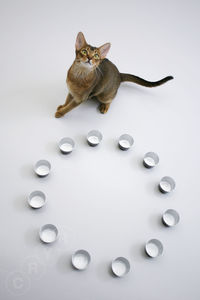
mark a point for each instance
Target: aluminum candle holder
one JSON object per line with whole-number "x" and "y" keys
{"x": 166, "y": 185}
{"x": 94, "y": 137}
{"x": 48, "y": 233}
{"x": 125, "y": 142}
{"x": 170, "y": 218}
{"x": 154, "y": 248}
{"x": 36, "y": 199}
{"x": 150, "y": 160}
{"x": 42, "y": 168}
{"x": 66, "y": 145}
{"x": 120, "y": 266}
{"x": 81, "y": 259}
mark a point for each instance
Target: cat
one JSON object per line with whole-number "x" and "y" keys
{"x": 92, "y": 75}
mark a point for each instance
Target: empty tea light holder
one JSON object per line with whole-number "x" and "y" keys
{"x": 125, "y": 141}
{"x": 170, "y": 218}
{"x": 150, "y": 160}
{"x": 94, "y": 137}
{"x": 42, "y": 168}
{"x": 48, "y": 233}
{"x": 120, "y": 266}
{"x": 37, "y": 199}
{"x": 66, "y": 145}
{"x": 154, "y": 248}
{"x": 81, "y": 259}
{"x": 167, "y": 184}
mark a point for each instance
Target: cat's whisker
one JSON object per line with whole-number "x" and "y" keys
{"x": 99, "y": 71}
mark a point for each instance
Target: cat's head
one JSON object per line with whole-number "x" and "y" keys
{"x": 87, "y": 56}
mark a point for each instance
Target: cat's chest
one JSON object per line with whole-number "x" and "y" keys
{"x": 78, "y": 88}
{"x": 79, "y": 85}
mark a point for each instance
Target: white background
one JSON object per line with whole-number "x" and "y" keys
{"x": 101, "y": 199}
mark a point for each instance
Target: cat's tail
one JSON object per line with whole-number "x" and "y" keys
{"x": 140, "y": 81}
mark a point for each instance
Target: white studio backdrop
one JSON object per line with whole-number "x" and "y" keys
{"x": 101, "y": 199}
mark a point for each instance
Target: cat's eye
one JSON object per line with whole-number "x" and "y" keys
{"x": 84, "y": 52}
{"x": 96, "y": 56}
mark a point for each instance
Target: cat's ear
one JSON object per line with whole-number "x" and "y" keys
{"x": 80, "y": 41}
{"x": 104, "y": 50}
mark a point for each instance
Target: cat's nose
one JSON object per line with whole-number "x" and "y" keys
{"x": 89, "y": 60}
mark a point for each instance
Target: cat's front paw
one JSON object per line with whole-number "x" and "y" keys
{"x": 58, "y": 114}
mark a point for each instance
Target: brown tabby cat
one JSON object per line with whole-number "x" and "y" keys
{"x": 92, "y": 75}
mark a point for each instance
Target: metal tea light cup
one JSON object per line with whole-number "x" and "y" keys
{"x": 94, "y": 137}
{"x": 167, "y": 184}
{"x": 66, "y": 145}
{"x": 120, "y": 266}
{"x": 170, "y": 218}
{"x": 37, "y": 199}
{"x": 125, "y": 142}
{"x": 42, "y": 168}
{"x": 48, "y": 233}
{"x": 154, "y": 248}
{"x": 150, "y": 160}
{"x": 81, "y": 259}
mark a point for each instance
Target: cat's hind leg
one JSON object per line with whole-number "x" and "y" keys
{"x": 105, "y": 101}
{"x": 103, "y": 107}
